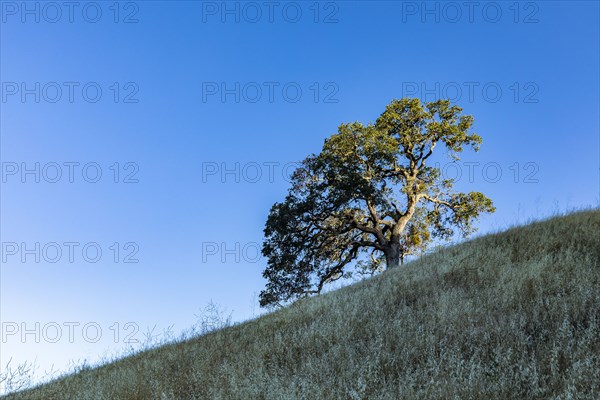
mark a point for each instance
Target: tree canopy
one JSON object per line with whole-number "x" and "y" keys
{"x": 369, "y": 197}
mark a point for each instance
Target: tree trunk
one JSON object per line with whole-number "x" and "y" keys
{"x": 393, "y": 255}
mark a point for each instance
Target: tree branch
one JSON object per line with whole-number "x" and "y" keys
{"x": 367, "y": 243}
{"x": 436, "y": 201}
{"x": 429, "y": 153}
{"x": 337, "y": 269}
{"x": 368, "y": 229}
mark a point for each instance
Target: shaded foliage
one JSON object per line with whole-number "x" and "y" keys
{"x": 513, "y": 315}
{"x": 369, "y": 196}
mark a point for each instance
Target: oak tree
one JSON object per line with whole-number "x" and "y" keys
{"x": 369, "y": 199}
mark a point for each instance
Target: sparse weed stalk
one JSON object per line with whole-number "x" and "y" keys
{"x": 483, "y": 321}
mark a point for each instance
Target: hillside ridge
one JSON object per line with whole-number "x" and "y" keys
{"x": 514, "y": 314}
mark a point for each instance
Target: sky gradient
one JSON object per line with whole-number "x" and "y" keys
{"x": 162, "y": 132}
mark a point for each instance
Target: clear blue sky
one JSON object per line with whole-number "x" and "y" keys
{"x": 201, "y": 90}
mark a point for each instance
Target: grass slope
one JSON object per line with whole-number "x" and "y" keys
{"x": 505, "y": 316}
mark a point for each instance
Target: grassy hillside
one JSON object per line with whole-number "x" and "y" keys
{"x": 514, "y": 315}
